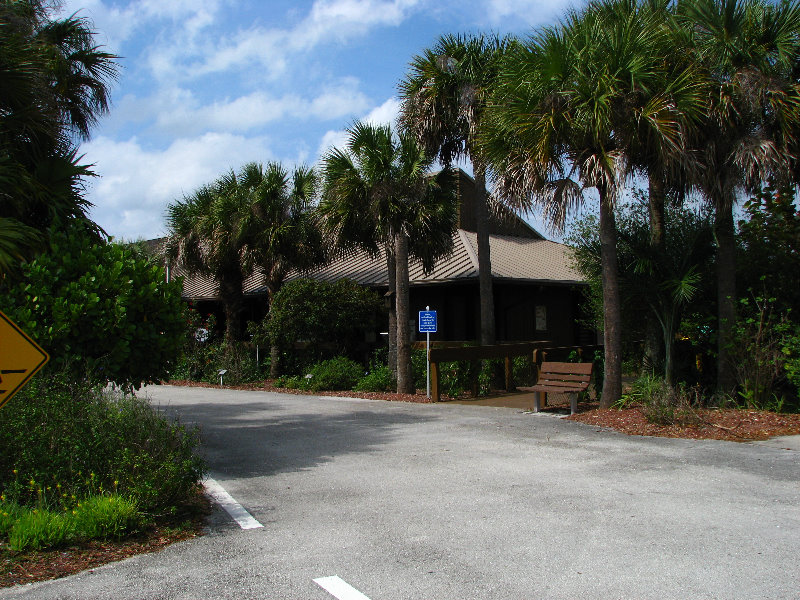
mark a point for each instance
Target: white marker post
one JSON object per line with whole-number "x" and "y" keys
{"x": 427, "y": 325}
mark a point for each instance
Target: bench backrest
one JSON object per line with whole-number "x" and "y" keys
{"x": 563, "y": 373}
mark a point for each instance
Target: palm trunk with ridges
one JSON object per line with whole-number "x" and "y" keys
{"x": 488, "y": 335}
{"x": 405, "y": 380}
{"x": 655, "y": 348}
{"x": 391, "y": 269}
{"x": 612, "y": 320}
{"x": 726, "y": 293}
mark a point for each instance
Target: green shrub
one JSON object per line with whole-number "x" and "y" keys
{"x": 62, "y": 441}
{"x": 331, "y": 318}
{"x": 98, "y": 517}
{"x": 665, "y": 405}
{"x": 10, "y": 513}
{"x": 338, "y": 373}
{"x": 455, "y": 378}
{"x": 106, "y": 517}
{"x": 99, "y": 311}
{"x": 38, "y": 529}
{"x": 379, "y": 379}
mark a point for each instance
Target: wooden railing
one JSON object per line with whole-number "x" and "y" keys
{"x": 538, "y": 351}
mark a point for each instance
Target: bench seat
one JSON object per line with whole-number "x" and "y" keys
{"x": 560, "y": 378}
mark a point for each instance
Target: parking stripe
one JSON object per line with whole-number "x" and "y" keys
{"x": 338, "y": 588}
{"x": 231, "y": 506}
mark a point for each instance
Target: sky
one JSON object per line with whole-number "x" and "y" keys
{"x": 207, "y": 86}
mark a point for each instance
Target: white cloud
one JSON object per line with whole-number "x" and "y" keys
{"x": 380, "y": 115}
{"x": 532, "y": 12}
{"x": 385, "y": 113}
{"x": 341, "y": 19}
{"x": 133, "y": 191}
{"x": 119, "y": 24}
{"x": 177, "y": 111}
{"x": 271, "y": 49}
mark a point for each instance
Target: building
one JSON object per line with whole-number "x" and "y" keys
{"x": 538, "y": 295}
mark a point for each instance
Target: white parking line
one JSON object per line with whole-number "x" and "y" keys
{"x": 231, "y": 506}
{"x": 338, "y": 588}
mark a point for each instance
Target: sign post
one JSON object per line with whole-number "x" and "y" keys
{"x": 20, "y": 358}
{"x": 428, "y": 325}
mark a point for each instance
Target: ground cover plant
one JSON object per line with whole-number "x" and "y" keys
{"x": 78, "y": 463}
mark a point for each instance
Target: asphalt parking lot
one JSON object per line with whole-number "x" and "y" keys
{"x": 410, "y": 501}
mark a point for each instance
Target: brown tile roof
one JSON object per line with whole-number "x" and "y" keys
{"x": 513, "y": 258}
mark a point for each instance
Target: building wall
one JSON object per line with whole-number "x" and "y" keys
{"x": 458, "y": 312}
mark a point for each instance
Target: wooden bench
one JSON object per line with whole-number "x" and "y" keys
{"x": 561, "y": 378}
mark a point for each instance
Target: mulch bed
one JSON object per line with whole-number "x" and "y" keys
{"x": 717, "y": 424}
{"x": 266, "y": 386}
{"x": 17, "y": 569}
{"x": 712, "y": 424}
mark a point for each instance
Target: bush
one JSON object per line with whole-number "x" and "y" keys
{"x": 331, "y": 318}
{"x": 662, "y": 404}
{"x": 757, "y": 352}
{"x": 378, "y": 379}
{"x": 61, "y": 442}
{"x": 338, "y": 373}
{"x": 455, "y": 378}
{"x": 106, "y": 517}
{"x": 99, "y": 311}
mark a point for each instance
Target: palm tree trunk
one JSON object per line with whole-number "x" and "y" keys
{"x": 654, "y": 343}
{"x": 405, "y": 380}
{"x": 484, "y": 260}
{"x": 726, "y": 293}
{"x": 391, "y": 268}
{"x": 230, "y": 293}
{"x": 274, "y": 350}
{"x": 612, "y": 320}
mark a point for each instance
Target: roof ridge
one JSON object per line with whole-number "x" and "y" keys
{"x": 467, "y": 243}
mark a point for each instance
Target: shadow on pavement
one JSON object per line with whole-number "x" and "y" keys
{"x": 262, "y": 438}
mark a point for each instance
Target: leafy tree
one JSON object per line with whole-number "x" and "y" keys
{"x": 769, "y": 247}
{"x": 655, "y": 285}
{"x": 444, "y": 97}
{"x": 567, "y": 113}
{"x": 322, "y": 313}
{"x": 98, "y": 311}
{"x": 379, "y": 192}
{"x": 749, "y": 50}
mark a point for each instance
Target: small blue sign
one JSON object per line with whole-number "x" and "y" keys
{"x": 427, "y": 321}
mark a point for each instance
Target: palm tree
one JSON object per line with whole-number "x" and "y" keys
{"x": 568, "y": 108}
{"x": 444, "y": 99}
{"x": 55, "y": 86}
{"x": 209, "y": 235}
{"x": 284, "y": 233}
{"x": 748, "y": 49}
{"x": 256, "y": 219}
{"x": 378, "y": 193}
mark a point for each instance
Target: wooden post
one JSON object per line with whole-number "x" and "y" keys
{"x": 434, "y": 381}
{"x": 509, "y": 374}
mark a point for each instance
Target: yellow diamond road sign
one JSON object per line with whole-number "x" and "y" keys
{"x": 20, "y": 359}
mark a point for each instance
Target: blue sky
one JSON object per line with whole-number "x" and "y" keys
{"x": 209, "y": 85}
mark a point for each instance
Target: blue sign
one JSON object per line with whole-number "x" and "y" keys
{"x": 427, "y": 321}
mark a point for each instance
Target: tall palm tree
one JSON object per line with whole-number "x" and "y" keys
{"x": 378, "y": 193}
{"x": 749, "y": 50}
{"x": 256, "y": 219}
{"x": 444, "y": 98}
{"x": 56, "y": 84}
{"x": 568, "y": 108}
{"x": 284, "y": 233}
